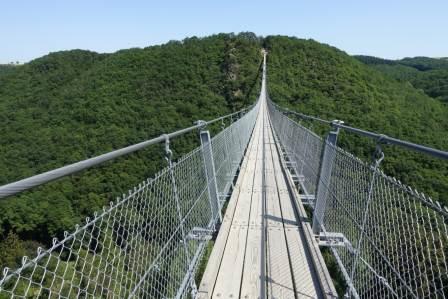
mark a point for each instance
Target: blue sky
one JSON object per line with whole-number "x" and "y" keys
{"x": 390, "y": 29}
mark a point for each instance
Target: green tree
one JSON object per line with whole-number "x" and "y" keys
{"x": 12, "y": 251}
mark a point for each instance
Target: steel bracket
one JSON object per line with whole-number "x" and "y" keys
{"x": 331, "y": 239}
{"x": 307, "y": 199}
{"x": 200, "y": 234}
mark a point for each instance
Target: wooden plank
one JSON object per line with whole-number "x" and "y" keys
{"x": 304, "y": 275}
{"x": 279, "y": 280}
{"x": 211, "y": 272}
{"x": 252, "y": 280}
{"x": 214, "y": 262}
{"x": 304, "y": 279}
{"x": 230, "y": 274}
{"x": 243, "y": 209}
{"x": 236, "y": 267}
{"x": 273, "y": 212}
{"x": 286, "y": 205}
{"x": 256, "y": 208}
{"x": 323, "y": 283}
{"x": 224, "y": 280}
{"x": 251, "y": 284}
{"x": 288, "y": 214}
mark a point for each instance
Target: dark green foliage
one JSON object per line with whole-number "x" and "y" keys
{"x": 6, "y": 69}
{"x": 428, "y": 74}
{"x": 203, "y": 263}
{"x": 375, "y": 60}
{"x": 72, "y": 105}
{"x": 12, "y": 249}
{"x": 320, "y": 80}
{"x": 425, "y": 63}
{"x": 333, "y": 269}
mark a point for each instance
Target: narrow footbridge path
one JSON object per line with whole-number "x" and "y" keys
{"x": 261, "y": 248}
{"x": 386, "y": 239}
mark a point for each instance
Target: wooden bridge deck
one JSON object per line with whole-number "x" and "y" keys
{"x": 260, "y": 251}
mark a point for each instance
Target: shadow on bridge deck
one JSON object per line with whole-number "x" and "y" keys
{"x": 262, "y": 250}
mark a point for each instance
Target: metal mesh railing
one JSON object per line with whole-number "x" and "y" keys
{"x": 395, "y": 239}
{"x": 302, "y": 146}
{"x": 147, "y": 243}
{"x": 399, "y": 239}
{"x": 227, "y": 147}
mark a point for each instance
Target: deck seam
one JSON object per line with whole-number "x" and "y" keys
{"x": 212, "y": 289}
{"x": 281, "y": 213}
{"x": 326, "y": 287}
{"x": 248, "y": 220}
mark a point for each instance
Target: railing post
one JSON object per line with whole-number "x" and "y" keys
{"x": 326, "y": 166}
{"x": 181, "y": 219}
{"x": 210, "y": 173}
{"x": 227, "y": 158}
{"x": 236, "y": 146}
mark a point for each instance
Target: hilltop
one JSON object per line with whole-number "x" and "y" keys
{"x": 321, "y": 80}
{"x": 427, "y": 74}
{"x": 72, "y": 105}
{"x": 6, "y": 68}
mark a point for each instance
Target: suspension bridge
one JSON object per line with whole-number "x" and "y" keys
{"x": 270, "y": 194}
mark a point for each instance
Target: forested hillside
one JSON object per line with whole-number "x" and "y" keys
{"x": 69, "y": 106}
{"x": 321, "y": 80}
{"x": 6, "y": 68}
{"x": 428, "y": 74}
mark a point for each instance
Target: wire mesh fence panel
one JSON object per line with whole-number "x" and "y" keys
{"x": 302, "y": 145}
{"x": 396, "y": 239}
{"x": 147, "y": 243}
{"x": 221, "y": 156}
{"x": 228, "y": 147}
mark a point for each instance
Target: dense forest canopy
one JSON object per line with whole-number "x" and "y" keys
{"x": 6, "y": 69}
{"x": 427, "y": 74}
{"x": 72, "y": 105}
{"x": 320, "y": 80}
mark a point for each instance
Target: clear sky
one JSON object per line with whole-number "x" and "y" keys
{"x": 384, "y": 28}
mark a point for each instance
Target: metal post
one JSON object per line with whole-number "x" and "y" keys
{"x": 326, "y": 166}
{"x": 210, "y": 173}
{"x": 229, "y": 162}
{"x": 169, "y": 155}
{"x": 227, "y": 159}
{"x": 235, "y": 162}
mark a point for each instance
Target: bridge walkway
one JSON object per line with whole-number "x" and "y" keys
{"x": 260, "y": 251}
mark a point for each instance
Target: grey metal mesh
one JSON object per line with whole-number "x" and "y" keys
{"x": 148, "y": 242}
{"x": 302, "y": 146}
{"x": 396, "y": 239}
